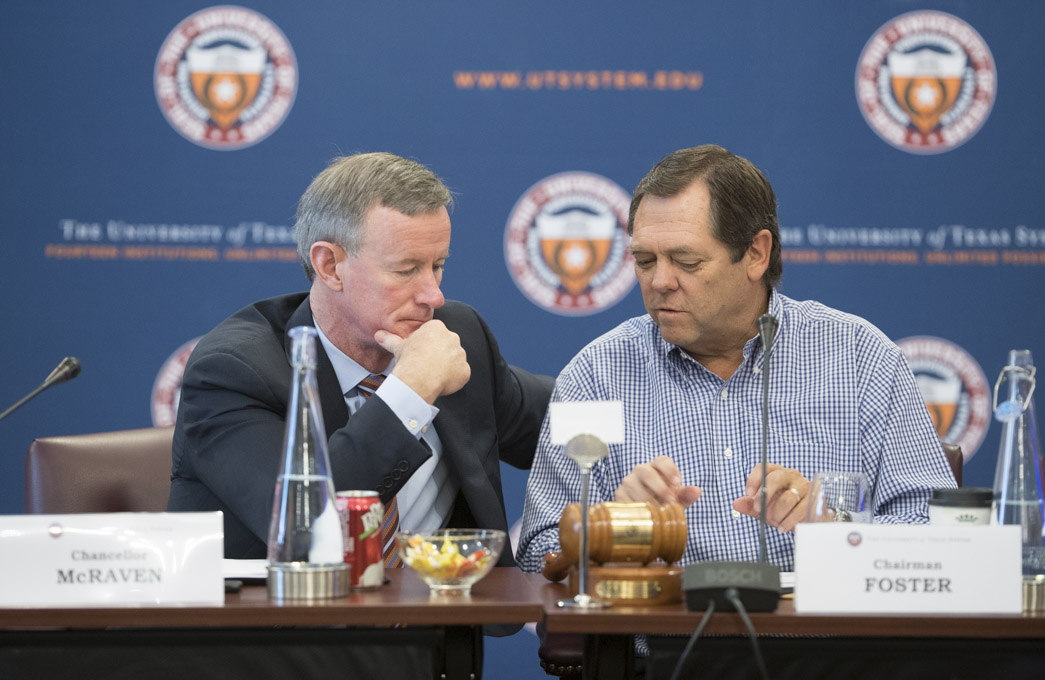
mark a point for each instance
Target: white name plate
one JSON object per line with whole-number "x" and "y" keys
{"x": 603, "y": 419}
{"x": 111, "y": 559}
{"x": 878, "y": 568}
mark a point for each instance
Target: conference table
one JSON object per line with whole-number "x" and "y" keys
{"x": 252, "y": 636}
{"x": 881, "y": 646}
{"x": 402, "y": 624}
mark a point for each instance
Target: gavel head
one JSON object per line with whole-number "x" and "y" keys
{"x": 625, "y": 532}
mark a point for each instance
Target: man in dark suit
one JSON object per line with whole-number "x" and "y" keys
{"x": 373, "y": 235}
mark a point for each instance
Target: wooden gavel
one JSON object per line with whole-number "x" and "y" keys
{"x": 619, "y": 532}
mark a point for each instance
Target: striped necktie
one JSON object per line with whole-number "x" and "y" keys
{"x": 390, "y": 524}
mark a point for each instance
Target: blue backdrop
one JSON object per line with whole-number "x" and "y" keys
{"x": 906, "y": 154}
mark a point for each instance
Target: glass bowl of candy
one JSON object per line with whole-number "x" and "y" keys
{"x": 451, "y": 560}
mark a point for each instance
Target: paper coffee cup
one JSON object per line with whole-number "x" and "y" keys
{"x": 964, "y": 506}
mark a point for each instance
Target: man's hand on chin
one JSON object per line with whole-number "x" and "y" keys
{"x": 430, "y": 361}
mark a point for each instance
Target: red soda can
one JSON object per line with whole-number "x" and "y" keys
{"x": 361, "y": 516}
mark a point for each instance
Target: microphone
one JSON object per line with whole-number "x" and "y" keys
{"x": 67, "y": 369}
{"x": 767, "y": 328}
{"x": 727, "y": 585}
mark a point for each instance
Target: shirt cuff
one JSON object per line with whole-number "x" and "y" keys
{"x": 415, "y": 413}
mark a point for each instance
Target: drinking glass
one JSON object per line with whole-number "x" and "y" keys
{"x": 839, "y": 497}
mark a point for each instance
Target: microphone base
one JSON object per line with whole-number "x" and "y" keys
{"x": 757, "y": 583}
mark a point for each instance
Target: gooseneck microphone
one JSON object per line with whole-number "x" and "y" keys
{"x": 767, "y": 328}
{"x": 67, "y": 369}
{"x": 739, "y": 586}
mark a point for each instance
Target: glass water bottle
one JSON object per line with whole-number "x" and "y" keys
{"x": 305, "y": 547}
{"x": 1018, "y": 478}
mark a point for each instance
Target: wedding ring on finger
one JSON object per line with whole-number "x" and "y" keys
{"x": 798, "y": 496}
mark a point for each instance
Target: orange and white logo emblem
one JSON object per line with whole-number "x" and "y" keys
{"x": 954, "y": 388}
{"x": 926, "y": 82}
{"x": 226, "y": 77}
{"x": 166, "y": 389}
{"x": 566, "y": 243}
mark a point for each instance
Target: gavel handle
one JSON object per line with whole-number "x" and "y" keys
{"x": 556, "y": 566}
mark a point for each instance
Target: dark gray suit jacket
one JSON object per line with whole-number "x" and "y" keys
{"x": 228, "y": 438}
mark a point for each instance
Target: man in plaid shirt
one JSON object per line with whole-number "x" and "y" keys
{"x": 707, "y": 255}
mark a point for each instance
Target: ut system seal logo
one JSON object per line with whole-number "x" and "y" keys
{"x": 166, "y": 390}
{"x": 954, "y": 388}
{"x": 926, "y": 82}
{"x": 566, "y": 244}
{"x": 226, "y": 78}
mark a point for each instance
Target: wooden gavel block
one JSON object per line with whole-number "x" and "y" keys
{"x": 631, "y": 533}
{"x": 619, "y": 583}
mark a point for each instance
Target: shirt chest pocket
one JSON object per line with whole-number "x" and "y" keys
{"x": 806, "y": 433}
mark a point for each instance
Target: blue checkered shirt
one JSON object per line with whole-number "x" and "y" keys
{"x": 841, "y": 398}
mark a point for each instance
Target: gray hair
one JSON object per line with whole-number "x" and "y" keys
{"x": 338, "y": 199}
